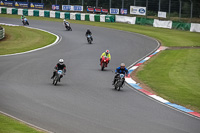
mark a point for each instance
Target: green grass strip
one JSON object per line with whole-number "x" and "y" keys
{"x": 175, "y": 75}
{"x": 21, "y": 39}
{"x": 9, "y": 125}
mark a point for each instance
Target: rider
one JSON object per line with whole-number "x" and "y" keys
{"x": 22, "y": 18}
{"x": 106, "y": 53}
{"x": 88, "y": 32}
{"x": 65, "y": 22}
{"x": 59, "y": 66}
{"x": 120, "y": 70}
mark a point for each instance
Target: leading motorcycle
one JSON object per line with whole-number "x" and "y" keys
{"x": 57, "y": 77}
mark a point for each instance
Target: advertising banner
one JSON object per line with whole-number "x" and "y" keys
{"x": 72, "y": 8}
{"x": 162, "y": 14}
{"x": 36, "y": 5}
{"x": 55, "y": 7}
{"x": 8, "y": 3}
{"x": 21, "y": 4}
{"x": 97, "y": 9}
{"x": 78, "y": 8}
{"x": 123, "y": 11}
{"x": 67, "y": 8}
{"x": 104, "y": 11}
{"x": 90, "y": 9}
{"x": 137, "y": 10}
{"x": 2, "y": 3}
{"x": 114, "y": 10}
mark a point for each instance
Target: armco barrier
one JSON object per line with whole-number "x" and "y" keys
{"x": 2, "y": 33}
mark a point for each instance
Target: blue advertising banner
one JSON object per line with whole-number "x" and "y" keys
{"x": 21, "y": 4}
{"x": 55, "y": 7}
{"x": 124, "y": 11}
{"x": 114, "y": 10}
{"x": 67, "y": 7}
{"x": 36, "y": 5}
{"x": 2, "y": 3}
{"x": 78, "y": 8}
{"x": 8, "y": 3}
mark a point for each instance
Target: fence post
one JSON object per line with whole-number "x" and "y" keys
{"x": 159, "y": 5}
{"x": 147, "y": 2}
{"x": 82, "y": 2}
{"x": 110, "y": 4}
{"x": 122, "y": 4}
{"x": 180, "y": 9}
{"x": 169, "y": 8}
{"x": 96, "y": 3}
{"x": 191, "y": 9}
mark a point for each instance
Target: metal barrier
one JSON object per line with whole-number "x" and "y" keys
{"x": 2, "y": 33}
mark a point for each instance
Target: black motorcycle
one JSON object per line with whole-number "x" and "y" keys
{"x": 68, "y": 27}
{"x": 57, "y": 77}
{"x": 25, "y": 21}
{"x": 89, "y": 39}
{"x": 119, "y": 82}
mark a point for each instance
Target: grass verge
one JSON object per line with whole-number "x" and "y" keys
{"x": 9, "y": 125}
{"x": 20, "y": 39}
{"x": 175, "y": 76}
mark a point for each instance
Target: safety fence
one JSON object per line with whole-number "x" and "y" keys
{"x": 193, "y": 27}
{"x": 2, "y": 33}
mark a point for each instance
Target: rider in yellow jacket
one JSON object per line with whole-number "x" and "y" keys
{"x": 106, "y": 53}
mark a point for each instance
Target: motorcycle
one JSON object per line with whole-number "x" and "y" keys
{"x": 119, "y": 82}
{"x": 89, "y": 39}
{"x": 68, "y": 27}
{"x": 57, "y": 77}
{"x": 104, "y": 62}
{"x": 25, "y": 21}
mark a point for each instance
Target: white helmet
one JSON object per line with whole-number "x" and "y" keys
{"x": 64, "y": 20}
{"x": 122, "y": 65}
{"x": 61, "y": 60}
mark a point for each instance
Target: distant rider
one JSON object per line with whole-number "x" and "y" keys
{"x": 66, "y": 23}
{"x": 106, "y": 53}
{"x": 59, "y": 66}
{"x": 22, "y": 18}
{"x": 120, "y": 70}
{"x": 88, "y": 32}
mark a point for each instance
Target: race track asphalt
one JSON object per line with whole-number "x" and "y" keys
{"x": 84, "y": 101}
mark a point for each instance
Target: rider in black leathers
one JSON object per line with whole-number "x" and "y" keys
{"x": 88, "y": 32}
{"x": 59, "y": 66}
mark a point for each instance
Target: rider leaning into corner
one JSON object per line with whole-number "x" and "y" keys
{"x": 65, "y": 22}
{"x": 59, "y": 66}
{"x": 88, "y": 32}
{"x": 120, "y": 70}
{"x": 106, "y": 53}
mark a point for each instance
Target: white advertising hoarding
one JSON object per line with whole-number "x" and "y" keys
{"x": 137, "y": 10}
{"x": 162, "y": 14}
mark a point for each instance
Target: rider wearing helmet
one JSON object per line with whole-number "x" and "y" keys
{"x": 22, "y": 18}
{"x": 65, "y": 22}
{"x": 120, "y": 70}
{"x": 88, "y": 32}
{"x": 59, "y": 66}
{"x": 106, "y": 53}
